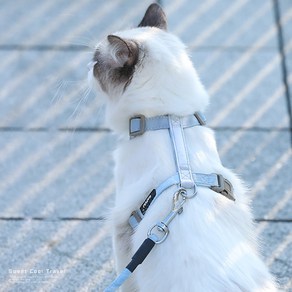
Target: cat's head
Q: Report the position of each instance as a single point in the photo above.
(146, 70)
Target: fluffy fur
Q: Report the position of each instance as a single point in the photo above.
(212, 244)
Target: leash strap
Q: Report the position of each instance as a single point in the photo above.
(137, 259)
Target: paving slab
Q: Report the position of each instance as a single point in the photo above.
(276, 239)
(50, 180)
(52, 92)
(263, 160)
(62, 23)
(223, 23)
(285, 11)
(58, 174)
(79, 253)
(82, 252)
(245, 88)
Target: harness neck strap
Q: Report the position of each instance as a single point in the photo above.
(139, 124)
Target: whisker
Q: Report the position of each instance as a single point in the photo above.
(84, 95)
(88, 42)
(57, 96)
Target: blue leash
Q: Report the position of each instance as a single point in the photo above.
(137, 259)
(124, 275)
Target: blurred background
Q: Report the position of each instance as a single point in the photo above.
(56, 180)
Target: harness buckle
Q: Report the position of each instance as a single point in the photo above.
(137, 126)
(201, 118)
(224, 187)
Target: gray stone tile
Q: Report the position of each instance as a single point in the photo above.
(286, 24)
(83, 251)
(263, 160)
(245, 88)
(56, 174)
(63, 23)
(276, 239)
(222, 23)
(285, 8)
(46, 89)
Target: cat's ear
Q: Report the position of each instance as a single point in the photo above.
(125, 51)
(154, 17)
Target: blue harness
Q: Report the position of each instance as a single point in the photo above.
(185, 179)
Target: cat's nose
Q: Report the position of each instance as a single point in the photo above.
(91, 64)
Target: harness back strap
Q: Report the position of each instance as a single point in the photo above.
(180, 152)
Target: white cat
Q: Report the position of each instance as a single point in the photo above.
(212, 245)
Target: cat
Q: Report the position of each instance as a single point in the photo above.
(212, 245)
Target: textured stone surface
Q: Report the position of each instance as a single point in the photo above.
(56, 186)
(55, 174)
(214, 23)
(245, 87)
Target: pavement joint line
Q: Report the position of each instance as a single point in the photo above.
(283, 61)
(101, 129)
(37, 47)
(55, 47)
(259, 220)
(52, 219)
(44, 129)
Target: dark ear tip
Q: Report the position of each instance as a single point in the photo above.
(154, 6)
(112, 36)
(154, 16)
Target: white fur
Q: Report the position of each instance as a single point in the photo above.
(212, 244)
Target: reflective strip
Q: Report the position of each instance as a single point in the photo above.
(180, 152)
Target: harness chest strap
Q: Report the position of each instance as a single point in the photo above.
(215, 182)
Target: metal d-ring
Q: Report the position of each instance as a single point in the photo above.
(160, 228)
(184, 193)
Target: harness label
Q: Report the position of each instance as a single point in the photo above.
(148, 201)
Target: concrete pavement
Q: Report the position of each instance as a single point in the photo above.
(56, 180)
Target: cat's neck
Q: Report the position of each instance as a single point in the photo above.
(175, 97)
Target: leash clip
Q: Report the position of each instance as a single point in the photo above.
(161, 228)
